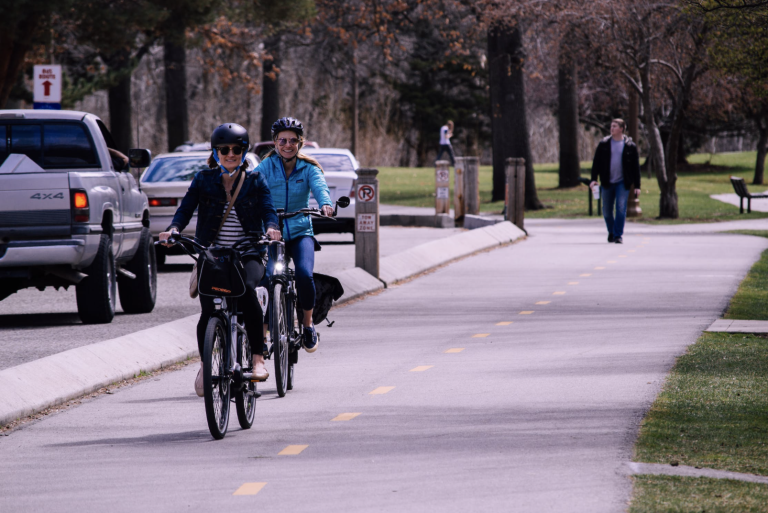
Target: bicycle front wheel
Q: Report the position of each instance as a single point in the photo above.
(245, 398)
(279, 332)
(215, 381)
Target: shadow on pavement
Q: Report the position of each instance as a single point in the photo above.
(160, 438)
(166, 399)
(38, 320)
(174, 268)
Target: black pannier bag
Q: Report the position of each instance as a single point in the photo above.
(327, 290)
(221, 273)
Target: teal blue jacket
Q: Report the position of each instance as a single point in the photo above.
(292, 194)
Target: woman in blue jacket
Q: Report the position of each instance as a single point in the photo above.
(291, 176)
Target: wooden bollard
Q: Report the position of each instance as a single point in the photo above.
(633, 204)
(367, 221)
(472, 185)
(442, 187)
(515, 207)
(458, 191)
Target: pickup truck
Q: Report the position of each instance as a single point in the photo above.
(71, 213)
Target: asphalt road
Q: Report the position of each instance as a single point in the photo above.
(515, 380)
(36, 324)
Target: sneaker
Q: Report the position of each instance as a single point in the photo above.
(310, 339)
(619, 240)
(611, 239)
(259, 371)
(199, 382)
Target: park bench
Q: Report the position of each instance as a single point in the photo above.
(741, 189)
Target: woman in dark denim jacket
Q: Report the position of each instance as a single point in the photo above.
(211, 192)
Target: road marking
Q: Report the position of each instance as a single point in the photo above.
(380, 390)
(480, 335)
(586, 275)
(559, 293)
(455, 350)
(292, 450)
(611, 261)
(504, 323)
(599, 268)
(250, 489)
(622, 256)
(421, 368)
(573, 283)
(543, 302)
(344, 416)
(526, 312)
(631, 251)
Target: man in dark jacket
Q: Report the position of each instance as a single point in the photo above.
(617, 163)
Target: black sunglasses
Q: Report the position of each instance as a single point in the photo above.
(224, 150)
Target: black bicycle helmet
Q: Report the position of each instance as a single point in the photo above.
(230, 133)
(292, 124)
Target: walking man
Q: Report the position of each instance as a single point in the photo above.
(446, 132)
(617, 164)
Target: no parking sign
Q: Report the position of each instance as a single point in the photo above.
(366, 193)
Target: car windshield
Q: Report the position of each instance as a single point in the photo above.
(331, 162)
(178, 169)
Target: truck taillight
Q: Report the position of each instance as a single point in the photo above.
(80, 210)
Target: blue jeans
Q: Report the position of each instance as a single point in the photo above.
(302, 251)
(615, 193)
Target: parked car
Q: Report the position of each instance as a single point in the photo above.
(339, 167)
(166, 182)
(71, 213)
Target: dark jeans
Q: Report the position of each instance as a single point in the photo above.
(247, 303)
(449, 149)
(617, 194)
(302, 251)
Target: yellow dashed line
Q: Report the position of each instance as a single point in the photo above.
(421, 368)
(292, 450)
(543, 302)
(573, 283)
(611, 261)
(381, 390)
(622, 256)
(599, 268)
(504, 323)
(630, 251)
(345, 416)
(526, 312)
(250, 489)
(559, 293)
(480, 335)
(455, 350)
(585, 275)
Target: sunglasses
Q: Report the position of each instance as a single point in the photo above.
(224, 150)
(283, 141)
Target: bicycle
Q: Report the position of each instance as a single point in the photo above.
(285, 331)
(227, 358)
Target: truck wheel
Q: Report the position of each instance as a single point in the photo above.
(96, 294)
(139, 295)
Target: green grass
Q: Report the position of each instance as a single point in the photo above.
(708, 175)
(751, 300)
(662, 494)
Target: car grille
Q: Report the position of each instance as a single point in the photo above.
(35, 218)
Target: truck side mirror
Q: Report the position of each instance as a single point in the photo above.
(138, 157)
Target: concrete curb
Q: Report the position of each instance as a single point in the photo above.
(438, 252)
(473, 222)
(659, 469)
(55, 379)
(356, 283)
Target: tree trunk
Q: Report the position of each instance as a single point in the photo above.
(120, 114)
(762, 147)
(668, 195)
(270, 94)
(674, 143)
(633, 115)
(355, 111)
(176, 113)
(15, 47)
(508, 118)
(568, 118)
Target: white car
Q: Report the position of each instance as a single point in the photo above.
(165, 183)
(339, 167)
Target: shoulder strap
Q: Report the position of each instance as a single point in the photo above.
(231, 203)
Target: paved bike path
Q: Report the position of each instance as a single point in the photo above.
(538, 411)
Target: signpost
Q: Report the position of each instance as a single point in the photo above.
(442, 187)
(515, 191)
(47, 86)
(367, 221)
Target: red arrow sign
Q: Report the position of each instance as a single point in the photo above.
(47, 86)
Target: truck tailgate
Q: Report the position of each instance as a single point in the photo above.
(34, 199)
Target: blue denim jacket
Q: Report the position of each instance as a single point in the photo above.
(253, 205)
(292, 194)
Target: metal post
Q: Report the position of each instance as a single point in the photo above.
(472, 185)
(367, 221)
(458, 191)
(442, 187)
(515, 191)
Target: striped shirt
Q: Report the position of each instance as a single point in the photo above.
(231, 232)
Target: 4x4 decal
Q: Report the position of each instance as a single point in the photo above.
(43, 196)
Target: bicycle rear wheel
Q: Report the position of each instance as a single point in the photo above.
(279, 332)
(245, 398)
(216, 383)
